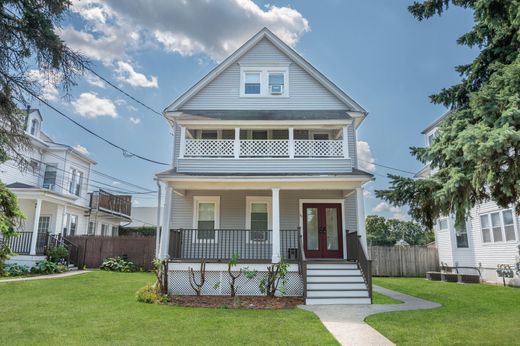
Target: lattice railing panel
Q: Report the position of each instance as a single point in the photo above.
(267, 148)
(209, 147)
(318, 148)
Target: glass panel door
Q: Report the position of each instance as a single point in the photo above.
(312, 228)
(322, 230)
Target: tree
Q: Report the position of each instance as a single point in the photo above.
(32, 57)
(476, 155)
(383, 232)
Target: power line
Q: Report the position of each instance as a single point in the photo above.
(388, 167)
(126, 152)
(123, 92)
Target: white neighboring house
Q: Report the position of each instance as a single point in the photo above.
(143, 217)
(55, 195)
(265, 167)
(491, 236)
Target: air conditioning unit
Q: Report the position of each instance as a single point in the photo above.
(48, 186)
(276, 89)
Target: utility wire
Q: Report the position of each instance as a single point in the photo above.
(388, 167)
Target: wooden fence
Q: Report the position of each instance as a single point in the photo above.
(403, 260)
(93, 249)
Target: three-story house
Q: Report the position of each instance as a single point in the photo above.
(265, 168)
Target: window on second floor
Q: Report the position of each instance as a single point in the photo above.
(35, 126)
(252, 83)
(443, 224)
(76, 180)
(49, 178)
(264, 81)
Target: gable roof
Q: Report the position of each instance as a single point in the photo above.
(435, 123)
(291, 53)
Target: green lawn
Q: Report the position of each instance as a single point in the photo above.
(378, 298)
(100, 308)
(471, 314)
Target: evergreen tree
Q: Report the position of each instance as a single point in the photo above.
(476, 155)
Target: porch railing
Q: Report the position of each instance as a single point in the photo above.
(355, 252)
(274, 148)
(222, 244)
(21, 243)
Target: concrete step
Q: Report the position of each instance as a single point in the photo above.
(326, 265)
(337, 300)
(342, 278)
(333, 272)
(336, 285)
(338, 293)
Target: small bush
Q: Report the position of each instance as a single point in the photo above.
(17, 270)
(57, 254)
(117, 264)
(150, 294)
(48, 267)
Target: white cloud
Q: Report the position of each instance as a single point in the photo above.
(94, 80)
(131, 108)
(401, 216)
(383, 206)
(81, 149)
(91, 106)
(214, 28)
(126, 73)
(367, 194)
(364, 154)
(135, 121)
(47, 83)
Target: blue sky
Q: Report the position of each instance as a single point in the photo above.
(374, 50)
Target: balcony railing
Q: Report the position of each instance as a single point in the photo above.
(222, 244)
(104, 201)
(21, 243)
(274, 148)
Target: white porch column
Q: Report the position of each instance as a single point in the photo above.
(236, 144)
(63, 221)
(361, 218)
(345, 143)
(182, 147)
(276, 224)
(165, 231)
(59, 219)
(34, 239)
(291, 143)
(158, 221)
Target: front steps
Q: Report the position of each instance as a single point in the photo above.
(335, 282)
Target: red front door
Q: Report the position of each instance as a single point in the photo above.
(322, 230)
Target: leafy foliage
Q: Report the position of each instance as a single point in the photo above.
(144, 231)
(118, 264)
(476, 155)
(381, 231)
(17, 270)
(151, 294)
(48, 267)
(57, 254)
(275, 274)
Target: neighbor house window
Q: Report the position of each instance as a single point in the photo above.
(252, 83)
(91, 230)
(73, 224)
(498, 226)
(461, 235)
(443, 224)
(258, 218)
(35, 125)
(76, 179)
(104, 230)
(115, 231)
(34, 165)
(206, 217)
(49, 178)
(43, 224)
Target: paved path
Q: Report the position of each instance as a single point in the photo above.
(347, 322)
(51, 276)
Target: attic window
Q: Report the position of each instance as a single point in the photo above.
(264, 81)
(252, 83)
(34, 127)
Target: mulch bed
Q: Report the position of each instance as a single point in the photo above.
(240, 302)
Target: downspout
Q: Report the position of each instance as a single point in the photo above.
(158, 226)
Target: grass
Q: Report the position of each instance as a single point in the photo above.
(471, 314)
(100, 308)
(378, 298)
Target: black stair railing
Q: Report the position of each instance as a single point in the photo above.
(356, 252)
(73, 249)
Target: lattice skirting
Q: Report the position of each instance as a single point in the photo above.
(217, 283)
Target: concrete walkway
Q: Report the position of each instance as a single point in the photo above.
(50, 276)
(347, 322)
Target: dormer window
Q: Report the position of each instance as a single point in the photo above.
(264, 81)
(35, 124)
(252, 83)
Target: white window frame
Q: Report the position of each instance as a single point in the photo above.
(466, 229)
(94, 224)
(48, 225)
(264, 80)
(502, 227)
(107, 228)
(447, 224)
(249, 204)
(205, 199)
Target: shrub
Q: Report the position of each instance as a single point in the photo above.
(117, 264)
(151, 294)
(17, 270)
(57, 254)
(48, 267)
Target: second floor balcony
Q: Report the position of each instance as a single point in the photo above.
(119, 205)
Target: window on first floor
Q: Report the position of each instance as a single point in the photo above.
(461, 236)
(104, 230)
(73, 224)
(498, 226)
(43, 224)
(115, 231)
(91, 230)
(258, 217)
(206, 216)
